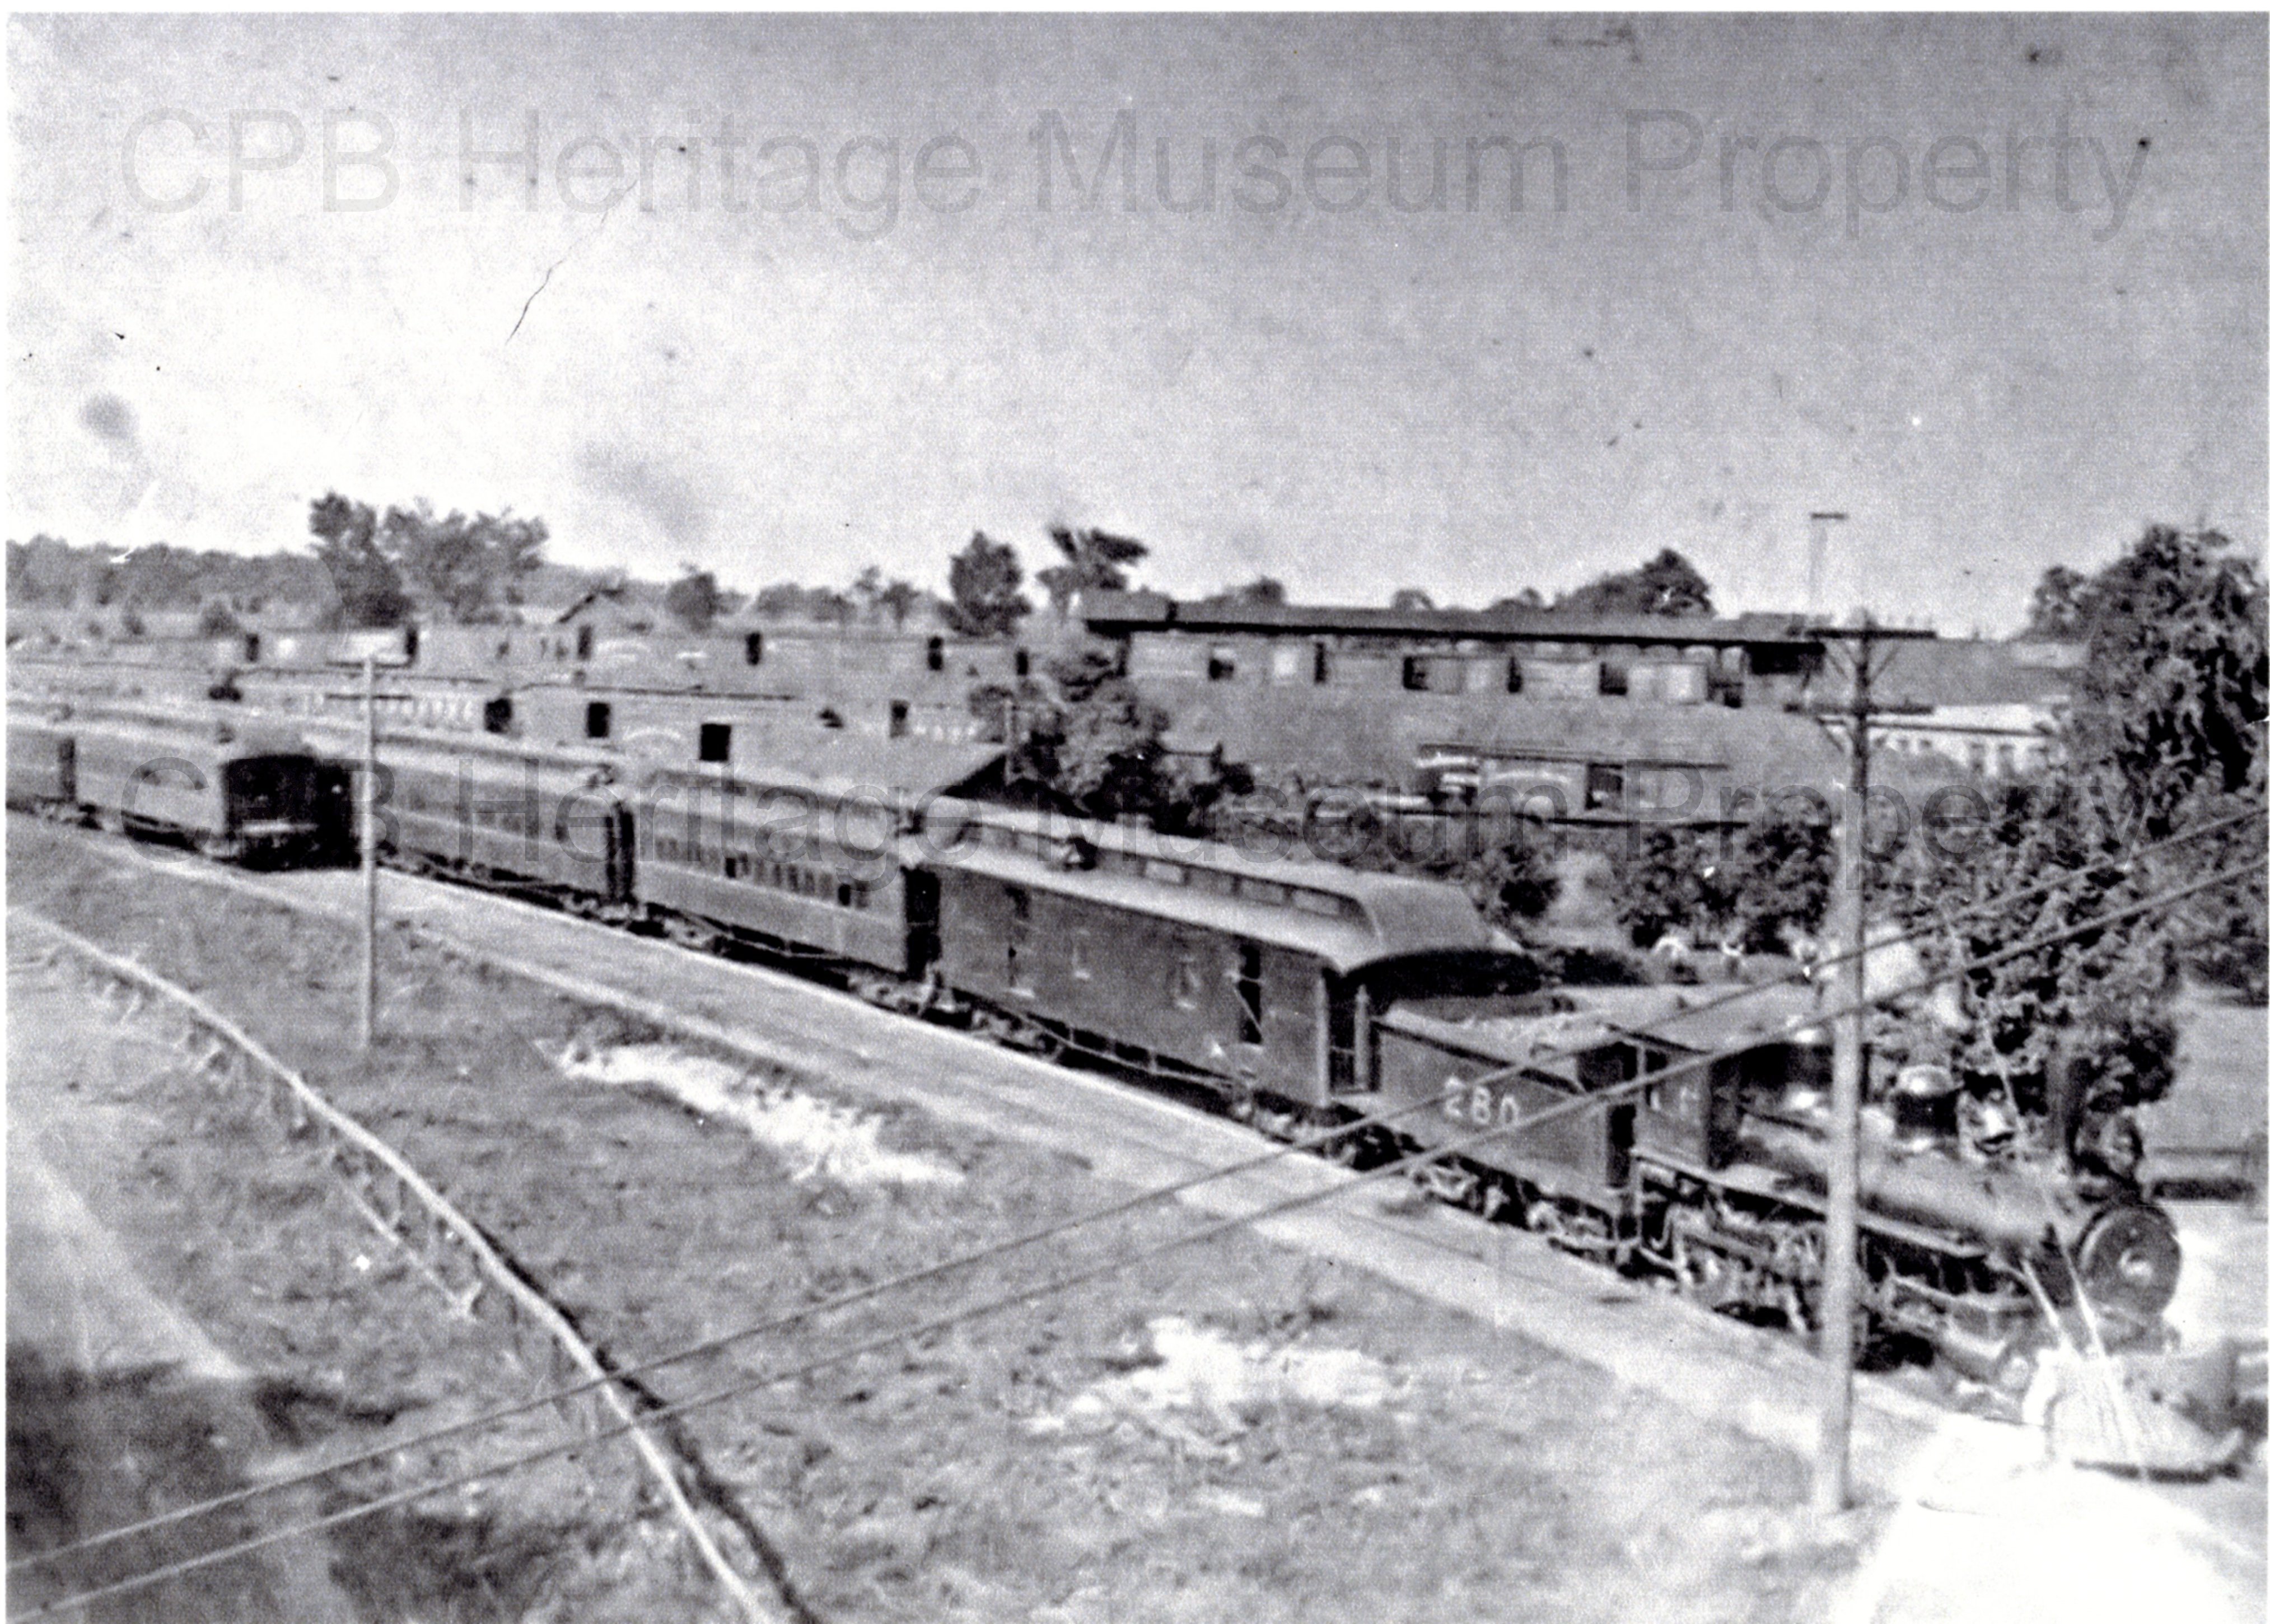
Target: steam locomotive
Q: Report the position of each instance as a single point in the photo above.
(1372, 1015)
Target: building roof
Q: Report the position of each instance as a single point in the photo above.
(1118, 613)
(1971, 671)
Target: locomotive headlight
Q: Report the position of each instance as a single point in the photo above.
(2128, 1261)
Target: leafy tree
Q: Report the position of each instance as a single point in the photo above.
(984, 578)
(2059, 609)
(2173, 696)
(1094, 561)
(1773, 884)
(1779, 884)
(1667, 881)
(1666, 585)
(218, 621)
(867, 593)
(464, 569)
(1528, 597)
(1515, 882)
(694, 599)
(2098, 997)
(1410, 599)
(900, 599)
(368, 585)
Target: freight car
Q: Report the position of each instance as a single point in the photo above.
(1308, 996)
(233, 787)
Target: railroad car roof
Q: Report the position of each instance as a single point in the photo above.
(478, 750)
(1345, 918)
(223, 730)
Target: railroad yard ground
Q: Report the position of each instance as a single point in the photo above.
(1243, 1430)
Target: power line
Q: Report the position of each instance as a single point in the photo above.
(1023, 1295)
(938, 1270)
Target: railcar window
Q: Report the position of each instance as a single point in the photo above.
(1262, 890)
(1168, 873)
(1322, 902)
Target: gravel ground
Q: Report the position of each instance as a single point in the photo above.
(1057, 1461)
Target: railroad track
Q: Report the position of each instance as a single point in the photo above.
(471, 1273)
(789, 1025)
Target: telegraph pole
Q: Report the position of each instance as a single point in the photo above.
(367, 821)
(1832, 1477)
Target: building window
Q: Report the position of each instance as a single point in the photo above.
(1414, 673)
(1221, 664)
(934, 654)
(1604, 787)
(1513, 673)
(584, 638)
(1615, 678)
(1024, 662)
(1321, 670)
(496, 715)
(1249, 993)
(599, 719)
(753, 648)
(898, 718)
(717, 741)
(1081, 970)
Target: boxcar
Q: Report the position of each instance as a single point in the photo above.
(1193, 957)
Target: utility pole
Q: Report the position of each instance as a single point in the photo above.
(1832, 1477)
(1841, 1304)
(366, 822)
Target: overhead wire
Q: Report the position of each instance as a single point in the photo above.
(940, 1270)
(1592, 1101)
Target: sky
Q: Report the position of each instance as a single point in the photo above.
(788, 296)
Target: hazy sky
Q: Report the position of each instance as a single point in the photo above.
(1784, 266)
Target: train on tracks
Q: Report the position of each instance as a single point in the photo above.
(1373, 1016)
(233, 787)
